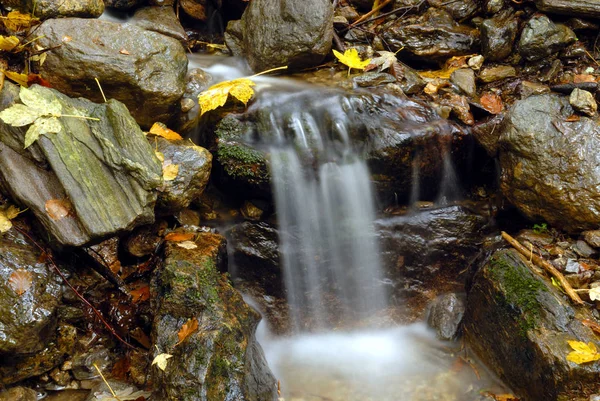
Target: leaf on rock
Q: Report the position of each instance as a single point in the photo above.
(592, 325)
(384, 61)
(187, 245)
(160, 156)
(8, 43)
(179, 237)
(41, 126)
(595, 294)
(352, 59)
(170, 171)
(582, 352)
(217, 95)
(20, 281)
(492, 102)
(6, 215)
(58, 209)
(161, 361)
(16, 21)
(21, 79)
(140, 294)
(31, 98)
(19, 115)
(584, 78)
(187, 329)
(161, 129)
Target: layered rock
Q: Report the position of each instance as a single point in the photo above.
(45, 9)
(578, 8)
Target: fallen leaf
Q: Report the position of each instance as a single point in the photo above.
(66, 39)
(595, 294)
(40, 58)
(592, 325)
(217, 95)
(573, 118)
(58, 209)
(384, 61)
(140, 294)
(6, 215)
(178, 237)
(160, 156)
(187, 329)
(501, 397)
(37, 79)
(123, 51)
(213, 47)
(170, 171)
(492, 102)
(16, 21)
(20, 79)
(8, 43)
(121, 368)
(583, 78)
(161, 361)
(351, 59)
(582, 352)
(187, 245)
(127, 394)
(138, 335)
(161, 129)
(443, 74)
(12, 212)
(20, 281)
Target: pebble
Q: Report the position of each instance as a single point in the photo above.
(491, 74)
(583, 101)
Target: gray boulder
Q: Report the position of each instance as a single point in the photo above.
(145, 70)
(550, 167)
(45, 9)
(446, 314)
(276, 33)
(541, 37)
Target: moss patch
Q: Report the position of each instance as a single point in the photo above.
(241, 161)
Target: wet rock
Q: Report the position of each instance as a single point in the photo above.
(425, 252)
(196, 81)
(113, 153)
(541, 37)
(250, 211)
(464, 78)
(363, 4)
(28, 298)
(275, 33)
(496, 73)
(45, 9)
(582, 249)
(145, 70)
(519, 324)
(409, 80)
(446, 314)
(487, 133)
(143, 241)
(194, 171)
(85, 359)
(528, 88)
(583, 101)
(373, 79)
(540, 174)
(255, 252)
(221, 360)
(123, 4)
(161, 20)
(498, 35)
(434, 35)
(592, 238)
(493, 6)
(19, 394)
(460, 10)
(578, 8)
(101, 391)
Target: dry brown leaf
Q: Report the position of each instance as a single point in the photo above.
(20, 281)
(187, 329)
(140, 294)
(573, 118)
(179, 237)
(492, 102)
(160, 129)
(583, 78)
(58, 209)
(592, 325)
(187, 245)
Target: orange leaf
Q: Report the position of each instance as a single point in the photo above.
(141, 337)
(592, 325)
(573, 118)
(583, 78)
(187, 329)
(37, 79)
(492, 102)
(20, 281)
(178, 237)
(58, 209)
(160, 129)
(140, 294)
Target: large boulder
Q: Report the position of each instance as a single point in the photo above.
(90, 180)
(145, 70)
(221, 360)
(520, 325)
(276, 33)
(551, 166)
(45, 9)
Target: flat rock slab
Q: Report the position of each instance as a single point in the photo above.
(519, 324)
(102, 173)
(145, 70)
(577, 8)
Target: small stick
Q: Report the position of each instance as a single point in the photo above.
(106, 382)
(369, 14)
(546, 266)
(101, 91)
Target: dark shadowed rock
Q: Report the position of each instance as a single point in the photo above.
(446, 314)
(19, 394)
(123, 4)
(275, 33)
(221, 360)
(541, 37)
(145, 70)
(460, 9)
(520, 325)
(104, 179)
(578, 8)
(45, 9)
(550, 167)
(498, 35)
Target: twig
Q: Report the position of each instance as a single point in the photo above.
(53, 264)
(338, 43)
(369, 14)
(101, 91)
(394, 11)
(106, 382)
(546, 266)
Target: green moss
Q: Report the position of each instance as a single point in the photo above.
(230, 128)
(242, 161)
(520, 290)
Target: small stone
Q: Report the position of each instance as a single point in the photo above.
(187, 104)
(541, 37)
(491, 74)
(493, 6)
(583, 101)
(572, 266)
(476, 62)
(446, 315)
(373, 79)
(592, 237)
(582, 249)
(528, 88)
(188, 217)
(60, 377)
(250, 211)
(464, 78)
(498, 35)
(340, 21)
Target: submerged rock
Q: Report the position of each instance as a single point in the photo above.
(145, 70)
(276, 33)
(541, 37)
(92, 187)
(221, 360)
(520, 325)
(550, 166)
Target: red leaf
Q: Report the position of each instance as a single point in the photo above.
(492, 102)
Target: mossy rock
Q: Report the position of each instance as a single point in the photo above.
(519, 325)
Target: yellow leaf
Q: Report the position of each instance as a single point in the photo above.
(216, 96)
(170, 172)
(187, 245)
(582, 352)
(160, 156)
(12, 212)
(21, 79)
(352, 59)
(7, 43)
(444, 74)
(161, 361)
(160, 129)
(6, 215)
(16, 21)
